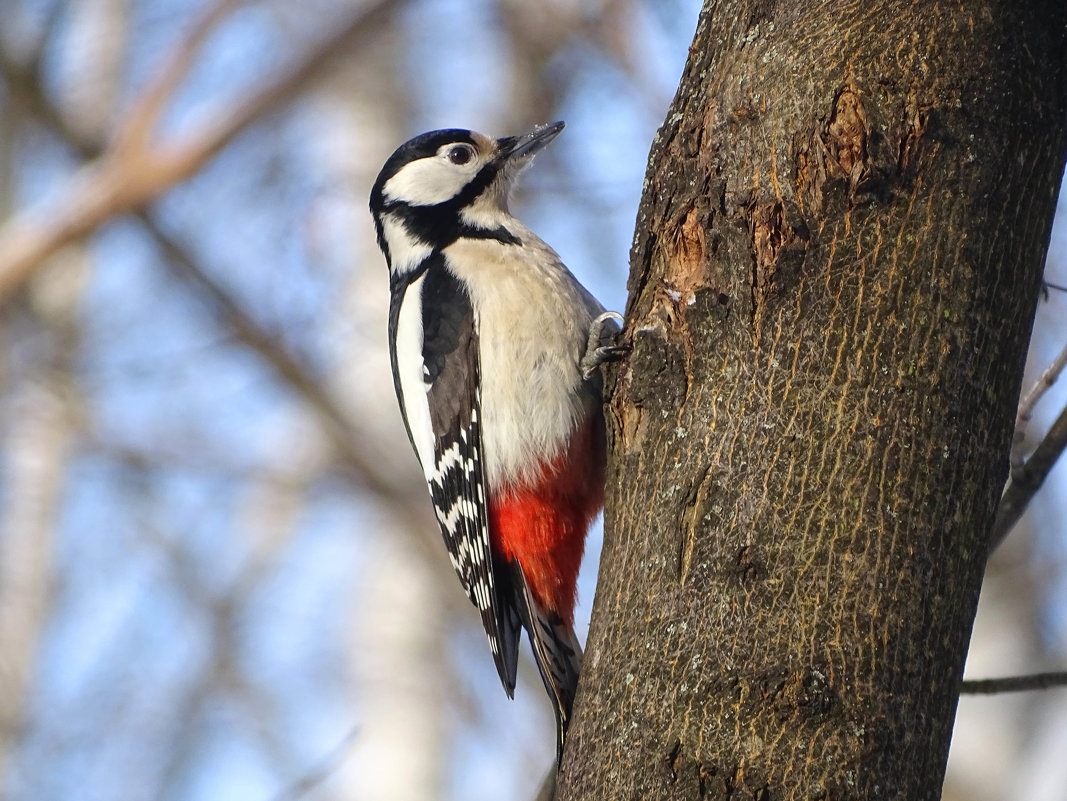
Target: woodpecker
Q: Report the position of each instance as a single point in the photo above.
(495, 348)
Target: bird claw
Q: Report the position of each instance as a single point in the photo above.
(596, 353)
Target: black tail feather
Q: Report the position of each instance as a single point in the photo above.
(556, 651)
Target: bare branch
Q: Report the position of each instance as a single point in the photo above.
(134, 134)
(34, 472)
(1026, 408)
(1014, 684)
(1026, 481)
(117, 183)
(1028, 476)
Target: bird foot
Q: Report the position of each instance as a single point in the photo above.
(598, 353)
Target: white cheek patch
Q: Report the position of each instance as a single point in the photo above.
(429, 181)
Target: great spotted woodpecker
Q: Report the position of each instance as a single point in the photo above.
(494, 348)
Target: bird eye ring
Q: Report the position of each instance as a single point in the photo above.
(460, 154)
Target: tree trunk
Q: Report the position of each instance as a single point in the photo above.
(831, 292)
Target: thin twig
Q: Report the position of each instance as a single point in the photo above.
(1047, 285)
(1014, 684)
(1027, 481)
(1026, 408)
(322, 771)
(1027, 475)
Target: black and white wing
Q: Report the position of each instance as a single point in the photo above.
(434, 350)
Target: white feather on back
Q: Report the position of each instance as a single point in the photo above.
(410, 367)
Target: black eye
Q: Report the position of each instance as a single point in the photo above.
(460, 154)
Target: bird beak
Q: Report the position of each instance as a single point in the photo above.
(519, 148)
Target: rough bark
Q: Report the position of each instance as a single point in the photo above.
(832, 286)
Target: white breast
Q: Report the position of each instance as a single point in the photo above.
(533, 319)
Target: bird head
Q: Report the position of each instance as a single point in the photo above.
(440, 182)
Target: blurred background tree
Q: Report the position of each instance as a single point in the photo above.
(219, 575)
